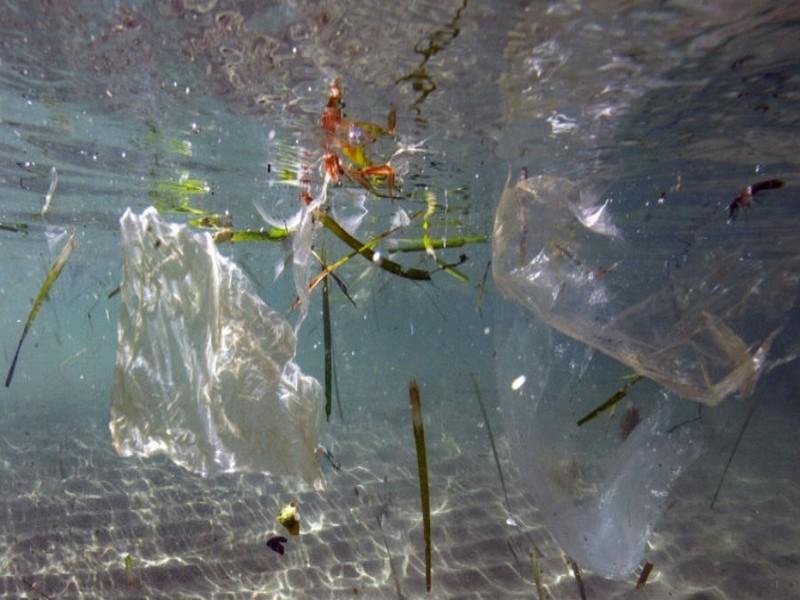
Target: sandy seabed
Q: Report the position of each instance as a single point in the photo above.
(71, 510)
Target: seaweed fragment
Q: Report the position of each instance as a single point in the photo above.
(52, 275)
(422, 466)
(613, 400)
(491, 439)
(648, 567)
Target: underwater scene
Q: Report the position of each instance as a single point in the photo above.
(450, 299)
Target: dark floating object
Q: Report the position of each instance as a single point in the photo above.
(745, 197)
(276, 543)
(648, 566)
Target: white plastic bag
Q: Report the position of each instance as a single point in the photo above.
(205, 369)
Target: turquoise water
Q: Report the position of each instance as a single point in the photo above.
(666, 110)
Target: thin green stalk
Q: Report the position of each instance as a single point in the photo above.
(613, 400)
(537, 573)
(491, 439)
(418, 244)
(367, 250)
(422, 466)
(52, 275)
(326, 329)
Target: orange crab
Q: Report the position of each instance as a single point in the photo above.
(348, 139)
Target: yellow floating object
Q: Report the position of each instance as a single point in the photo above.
(289, 519)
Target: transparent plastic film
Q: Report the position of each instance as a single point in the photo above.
(702, 329)
(205, 370)
(600, 487)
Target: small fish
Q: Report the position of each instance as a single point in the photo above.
(276, 543)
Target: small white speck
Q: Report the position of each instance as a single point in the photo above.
(486, 331)
(376, 258)
(271, 134)
(511, 522)
(518, 382)
(124, 154)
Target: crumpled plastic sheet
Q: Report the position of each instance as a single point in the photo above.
(703, 331)
(594, 298)
(205, 370)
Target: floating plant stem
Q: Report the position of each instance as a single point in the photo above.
(418, 244)
(648, 567)
(14, 227)
(537, 573)
(749, 416)
(326, 334)
(613, 400)
(52, 275)
(491, 439)
(273, 234)
(576, 570)
(368, 252)
(422, 466)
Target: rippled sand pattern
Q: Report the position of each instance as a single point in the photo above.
(71, 510)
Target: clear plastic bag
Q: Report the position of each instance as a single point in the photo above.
(593, 301)
(205, 370)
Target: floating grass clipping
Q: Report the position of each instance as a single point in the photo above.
(491, 439)
(52, 275)
(613, 400)
(537, 573)
(648, 567)
(418, 245)
(422, 466)
(327, 339)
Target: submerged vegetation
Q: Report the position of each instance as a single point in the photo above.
(422, 466)
(52, 275)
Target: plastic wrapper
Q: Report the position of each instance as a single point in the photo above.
(595, 299)
(205, 370)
